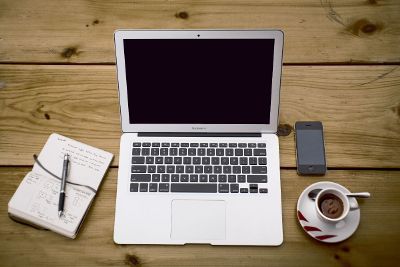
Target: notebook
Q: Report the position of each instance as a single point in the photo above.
(36, 200)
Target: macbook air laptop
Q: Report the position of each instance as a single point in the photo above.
(199, 154)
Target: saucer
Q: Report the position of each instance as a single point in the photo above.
(320, 230)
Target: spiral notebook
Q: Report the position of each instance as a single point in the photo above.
(36, 200)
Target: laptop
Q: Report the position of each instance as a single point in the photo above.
(199, 154)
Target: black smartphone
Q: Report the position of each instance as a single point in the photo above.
(310, 149)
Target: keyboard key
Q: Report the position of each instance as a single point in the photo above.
(203, 145)
(170, 169)
(243, 161)
(229, 152)
(217, 169)
(194, 188)
(155, 177)
(234, 188)
(245, 169)
(196, 160)
(153, 187)
(165, 144)
(227, 169)
(201, 151)
(231, 178)
(182, 151)
(258, 169)
(143, 187)
(257, 179)
(241, 178)
(224, 160)
(193, 178)
(189, 169)
(168, 160)
(263, 190)
(135, 151)
(160, 168)
(253, 188)
(215, 161)
(155, 144)
(159, 160)
(173, 151)
(138, 168)
(180, 169)
(146, 144)
(137, 160)
(260, 152)
(261, 145)
(219, 152)
(140, 177)
(212, 178)
(253, 161)
(134, 187)
(177, 160)
(222, 178)
(194, 144)
(208, 169)
(203, 178)
(238, 152)
(175, 145)
(145, 151)
(184, 144)
(232, 145)
(165, 178)
(174, 178)
(210, 151)
(187, 160)
(262, 161)
(155, 151)
(248, 152)
(198, 169)
(223, 145)
(149, 160)
(244, 190)
(136, 144)
(184, 178)
(242, 145)
(236, 169)
(192, 151)
(213, 145)
(223, 188)
(234, 161)
(164, 151)
(205, 160)
(252, 145)
(163, 187)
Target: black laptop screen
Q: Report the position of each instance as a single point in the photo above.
(199, 81)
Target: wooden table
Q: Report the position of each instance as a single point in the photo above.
(341, 66)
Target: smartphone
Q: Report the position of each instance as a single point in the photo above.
(310, 149)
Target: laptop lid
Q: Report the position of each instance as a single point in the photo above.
(199, 80)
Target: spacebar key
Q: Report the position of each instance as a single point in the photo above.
(193, 188)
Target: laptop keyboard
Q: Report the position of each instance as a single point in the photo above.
(199, 167)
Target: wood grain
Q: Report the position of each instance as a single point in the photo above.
(376, 242)
(359, 106)
(315, 31)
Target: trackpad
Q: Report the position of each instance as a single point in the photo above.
(198, 220)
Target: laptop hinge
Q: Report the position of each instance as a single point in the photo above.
(180, 134)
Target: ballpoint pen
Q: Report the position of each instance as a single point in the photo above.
(62, 189)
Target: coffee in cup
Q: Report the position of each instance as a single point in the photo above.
(332, 205)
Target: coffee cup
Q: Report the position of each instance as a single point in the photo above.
(332, 205)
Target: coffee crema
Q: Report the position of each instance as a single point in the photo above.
(331, 206)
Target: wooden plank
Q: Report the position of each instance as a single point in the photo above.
(316, 31)
(376, 242)
(359, 106)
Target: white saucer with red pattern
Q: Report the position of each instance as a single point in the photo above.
(319, 229)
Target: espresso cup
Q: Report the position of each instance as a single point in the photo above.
(332, 205)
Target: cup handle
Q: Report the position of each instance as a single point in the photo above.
(353, 204)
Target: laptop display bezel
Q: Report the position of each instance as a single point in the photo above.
(277, 35)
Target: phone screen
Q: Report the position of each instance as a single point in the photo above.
(310, 148)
